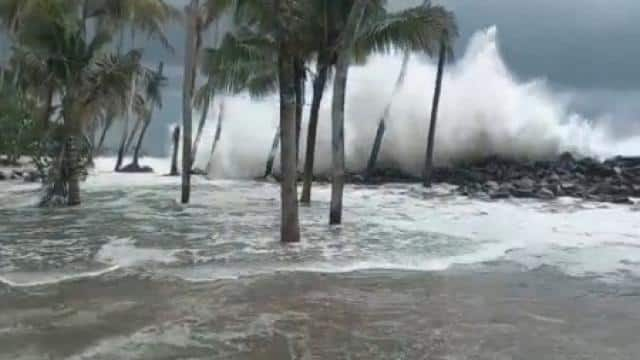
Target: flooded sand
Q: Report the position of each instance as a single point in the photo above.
(493, 312)
(411, 274)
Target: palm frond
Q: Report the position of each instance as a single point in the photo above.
(416, 29)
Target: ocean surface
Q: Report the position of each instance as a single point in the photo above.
(411, 274)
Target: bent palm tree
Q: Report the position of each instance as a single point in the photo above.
(428, 167)
(153, 99)
(382, 124)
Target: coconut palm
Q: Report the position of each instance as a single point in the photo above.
(153, 99)
(191, 49)
(197, 19)
(245, 61)
(89, 81)
(428, 167)
(414, 29)
(344, 53)
(382, 124)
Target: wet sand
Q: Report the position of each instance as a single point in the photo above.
(491, 312)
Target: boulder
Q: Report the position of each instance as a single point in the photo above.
(135, 168)
(545, 194)
(499, 194)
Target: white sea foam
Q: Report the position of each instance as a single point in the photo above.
(485, 110)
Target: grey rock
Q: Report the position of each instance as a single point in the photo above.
(545, 194)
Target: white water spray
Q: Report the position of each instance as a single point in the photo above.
(485, 111)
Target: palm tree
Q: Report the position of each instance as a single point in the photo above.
(197, 20)
(382, 124)
(146, 16)
(153, 99)
(287, 55)
(344, 54)
(191, 12)
(428, 166)
(414, 29)
(216, 137)
(89, 81)
(245, 61)
(427, 25)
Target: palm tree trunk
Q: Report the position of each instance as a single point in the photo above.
(216, 137)
(337, 111)
(290, 226)
(382, 126)
(428, 166)
(191, 50)
(125, 130)
(203, 120)
(105, 130)
(136, 151)
(318, 91)
(271, 159)
(299, 74)
(132, 135)
(73, 169)
(174, 157)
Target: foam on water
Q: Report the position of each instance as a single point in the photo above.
(231, 230)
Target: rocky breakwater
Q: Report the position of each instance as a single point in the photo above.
(26, 174)
(616, 180)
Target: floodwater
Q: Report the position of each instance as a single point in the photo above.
(412, 274)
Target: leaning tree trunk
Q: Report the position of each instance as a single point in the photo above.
(290, 226)
(271, 159)
(382, 125)
(346, 42)
(203, 120)
(318, 91)
(143, 132)
(132, 135)
(175, 137)
(216, 137)
(428, 166)
(107, 125)
(125, 131)
(136, 151)
(191, 50)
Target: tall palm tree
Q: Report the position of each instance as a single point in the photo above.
(197, 19)
(287, 55)
(413, 29)
(344, 54)
(191, 13)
